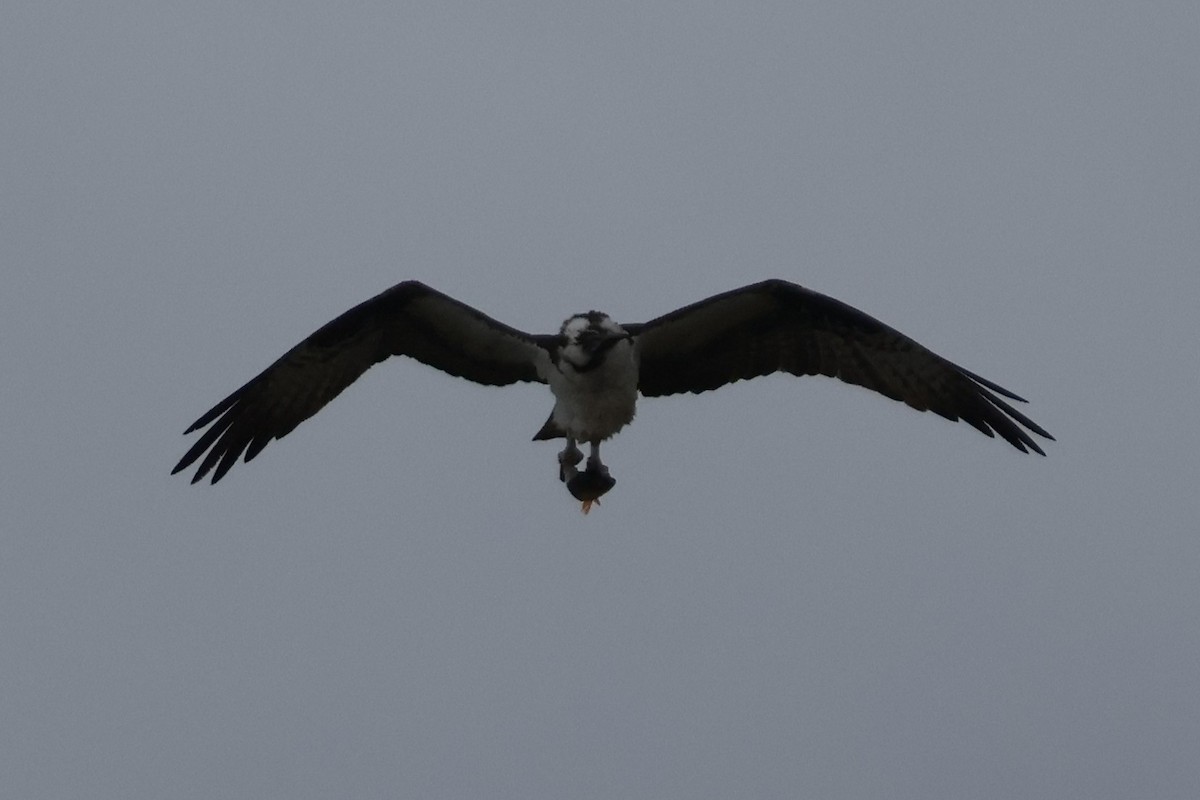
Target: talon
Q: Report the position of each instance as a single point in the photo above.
(595, 468)
(568, 460)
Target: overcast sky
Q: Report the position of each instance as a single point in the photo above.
(796, 589)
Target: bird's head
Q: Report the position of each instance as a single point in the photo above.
(587, 339)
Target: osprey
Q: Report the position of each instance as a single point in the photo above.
(595, 368)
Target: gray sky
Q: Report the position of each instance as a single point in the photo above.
(797, 589)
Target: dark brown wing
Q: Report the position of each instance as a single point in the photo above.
(409, 319)
(778, 326)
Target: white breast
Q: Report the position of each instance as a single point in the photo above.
(594, 405)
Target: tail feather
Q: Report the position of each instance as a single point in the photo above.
(549, 431)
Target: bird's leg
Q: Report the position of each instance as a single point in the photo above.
(568, 459)
(594, 464)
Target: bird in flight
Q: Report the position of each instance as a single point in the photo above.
(596, 368)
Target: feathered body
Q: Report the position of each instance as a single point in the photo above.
(594, 380)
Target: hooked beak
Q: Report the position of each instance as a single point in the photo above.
(608, 340)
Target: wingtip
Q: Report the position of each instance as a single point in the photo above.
(185, 463)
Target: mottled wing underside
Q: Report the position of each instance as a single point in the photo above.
(777, 326)
(409, 319)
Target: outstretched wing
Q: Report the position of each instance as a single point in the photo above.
(409, 319)
(778, 326)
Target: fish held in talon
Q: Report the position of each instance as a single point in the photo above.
(590, 485)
